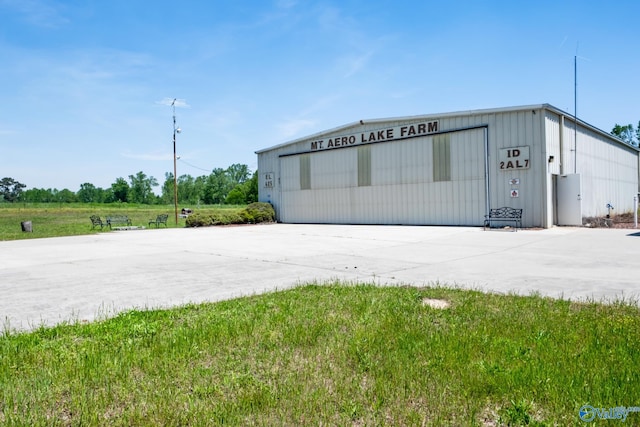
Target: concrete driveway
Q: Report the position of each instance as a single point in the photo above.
(46, 281)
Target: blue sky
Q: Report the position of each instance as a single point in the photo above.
(86, 84)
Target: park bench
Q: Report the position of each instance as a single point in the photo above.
(504, 214)
(160, 219)
(118, 219)
(95, 221)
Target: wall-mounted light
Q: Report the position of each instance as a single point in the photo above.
(551, 158)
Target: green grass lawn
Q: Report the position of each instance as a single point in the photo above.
(61, 219)
(331, 354)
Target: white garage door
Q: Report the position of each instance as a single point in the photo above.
(431, 180)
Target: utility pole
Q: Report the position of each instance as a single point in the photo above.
(175, 172)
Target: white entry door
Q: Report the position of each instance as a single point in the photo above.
(569, 199)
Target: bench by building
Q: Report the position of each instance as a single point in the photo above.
(504, 215)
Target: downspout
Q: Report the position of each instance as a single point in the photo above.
(561, 159)
(486, 169)
(635, 210)
(546, 180)
(278, 189)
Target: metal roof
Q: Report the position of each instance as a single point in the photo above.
(548, 107)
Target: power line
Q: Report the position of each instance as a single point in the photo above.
(193, 166)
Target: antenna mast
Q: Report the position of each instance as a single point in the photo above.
(575, 112)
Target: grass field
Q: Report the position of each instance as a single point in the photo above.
(330, 355)
(61, 219)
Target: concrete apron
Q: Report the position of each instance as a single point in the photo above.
(81, 278)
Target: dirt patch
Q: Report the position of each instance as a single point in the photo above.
(616, 221)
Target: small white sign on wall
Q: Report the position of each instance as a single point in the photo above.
(515, 193)
(268, 179)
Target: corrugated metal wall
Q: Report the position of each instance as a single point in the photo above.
(405, 186)
(608, 170)
(609, 174)
(518, 129)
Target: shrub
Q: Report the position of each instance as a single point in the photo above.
(226, 218)
(259, 212)
(199, 220)
(253, 214)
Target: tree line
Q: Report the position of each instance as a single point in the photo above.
(234, 185)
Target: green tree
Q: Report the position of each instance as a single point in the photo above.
(167, 189)
(252, 188)
(119, 191)
(37, 195)
(214, 188)
(244, 193)
(200, 185)
(217, 187)
(11, 189)
(188, 191)
(238, 173)
(89, 193)
(237, 196)
(64, 196)
(141, 189)
(627, 133)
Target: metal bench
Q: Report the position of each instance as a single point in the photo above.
(504, 214)
(95, 221)
(160, 219)
(118, 219)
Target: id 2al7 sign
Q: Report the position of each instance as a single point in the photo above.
(514, 158)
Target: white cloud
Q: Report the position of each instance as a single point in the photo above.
(294, 127)
(356, 63)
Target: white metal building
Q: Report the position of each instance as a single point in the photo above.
(450, 169)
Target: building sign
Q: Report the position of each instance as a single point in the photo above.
(514, 158)
(268, 179)
(382, 135)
